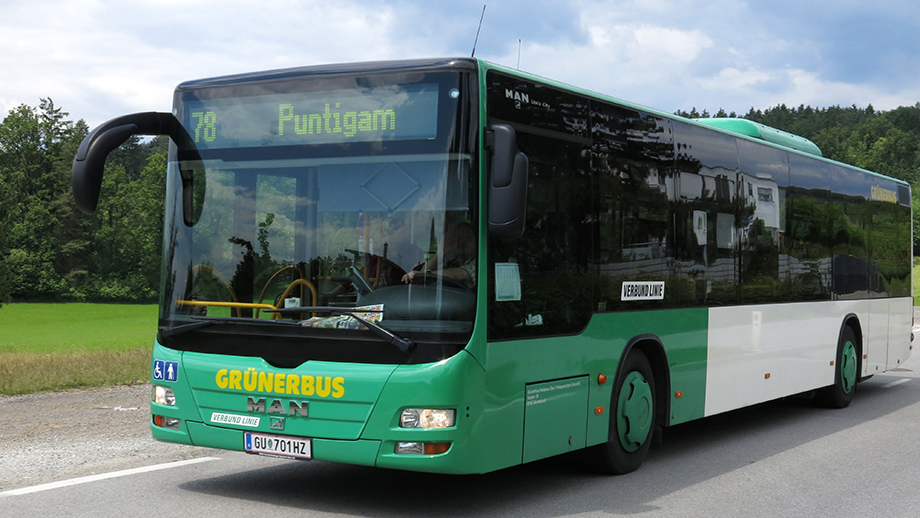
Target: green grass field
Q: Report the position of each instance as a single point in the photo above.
(59, 346)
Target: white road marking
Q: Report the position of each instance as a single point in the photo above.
(102, 476)
(896, 382)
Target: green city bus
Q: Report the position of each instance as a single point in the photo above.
(452, 266)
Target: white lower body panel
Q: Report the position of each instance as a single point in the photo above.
(761, 353)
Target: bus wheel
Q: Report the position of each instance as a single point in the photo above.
(632, 419)
(846, 373)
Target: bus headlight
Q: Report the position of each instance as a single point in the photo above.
(164, 396)
(427, 418)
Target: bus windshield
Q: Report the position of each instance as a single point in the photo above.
(321, 215)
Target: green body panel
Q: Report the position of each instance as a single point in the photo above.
(493, 417)
(201, 434)
(514, 364)
(453, 383)
(185, 409)
(339, 397)
(554, 417)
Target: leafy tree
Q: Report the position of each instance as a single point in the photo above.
(36, 148)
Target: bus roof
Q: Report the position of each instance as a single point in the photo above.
(763, 132)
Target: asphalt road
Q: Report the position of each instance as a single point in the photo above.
(780, 459)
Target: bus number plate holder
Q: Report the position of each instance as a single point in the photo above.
(278, 446)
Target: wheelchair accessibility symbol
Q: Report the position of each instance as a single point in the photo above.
(165, 371)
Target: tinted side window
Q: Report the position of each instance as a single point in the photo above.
(810, 221)
(553, 257)
(762, 183)
(889, 239)
(706, 215)
(634, 182)
(851, 222)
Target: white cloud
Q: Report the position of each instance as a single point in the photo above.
(663, 44)
(102, 58)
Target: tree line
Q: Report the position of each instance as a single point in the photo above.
(50, 251)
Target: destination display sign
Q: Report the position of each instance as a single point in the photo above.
(402, 112)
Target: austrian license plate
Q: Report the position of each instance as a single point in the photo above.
(278, 446)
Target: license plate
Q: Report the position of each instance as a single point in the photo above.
(277, 446)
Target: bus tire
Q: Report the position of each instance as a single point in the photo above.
(846, 372)
(632, 419)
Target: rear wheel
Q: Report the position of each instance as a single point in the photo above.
(632, 419)
(846, 372)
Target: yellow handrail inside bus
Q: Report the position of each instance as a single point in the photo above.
(296, 269)
(302, 282)
(237, 305)
(248, 305)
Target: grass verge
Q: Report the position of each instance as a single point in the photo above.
(916, 281)
(23, 373)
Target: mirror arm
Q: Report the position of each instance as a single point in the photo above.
(89, 163)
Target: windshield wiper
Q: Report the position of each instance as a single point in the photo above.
(403, 344)
(171, 332)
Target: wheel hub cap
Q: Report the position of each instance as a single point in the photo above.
(634, 412)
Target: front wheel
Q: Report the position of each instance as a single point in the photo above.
(632, 419)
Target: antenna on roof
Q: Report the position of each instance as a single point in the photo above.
(483, 15)
(519, 54)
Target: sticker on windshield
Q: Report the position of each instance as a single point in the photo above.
(507, 282)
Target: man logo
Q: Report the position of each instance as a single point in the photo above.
(277, 423)
(518, 97)
(277, 407)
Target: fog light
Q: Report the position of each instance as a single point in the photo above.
(164, 396)
(410, 448)
(422, 448)
(427, 418)
(166, 422)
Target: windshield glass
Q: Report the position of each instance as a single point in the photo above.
(322, 197)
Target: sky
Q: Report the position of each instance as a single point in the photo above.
(98, 59)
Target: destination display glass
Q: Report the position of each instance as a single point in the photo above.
(398, 112)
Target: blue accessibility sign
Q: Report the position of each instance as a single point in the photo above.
(165, 371)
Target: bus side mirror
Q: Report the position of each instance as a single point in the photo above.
(88, 165)
(507, 184)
